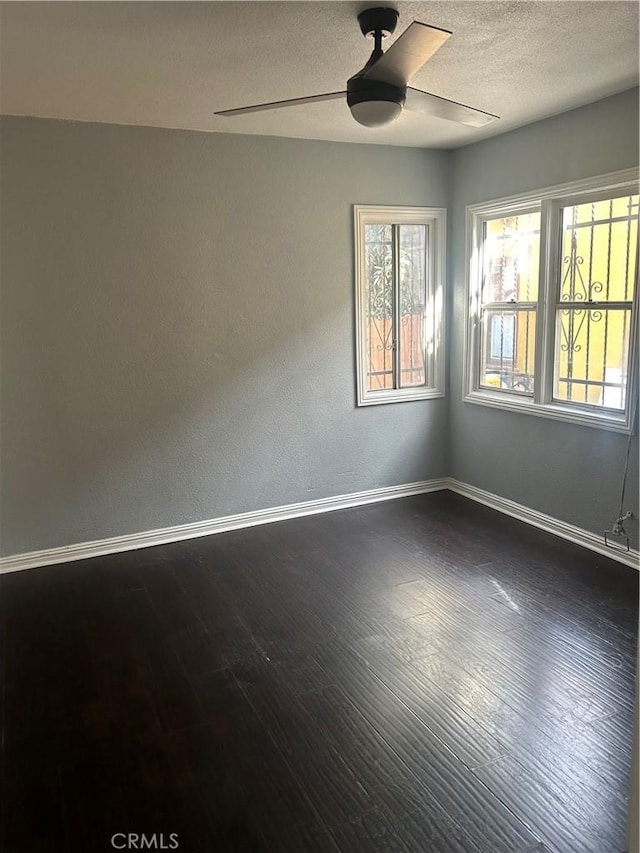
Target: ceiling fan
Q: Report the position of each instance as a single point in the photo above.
(377, 94)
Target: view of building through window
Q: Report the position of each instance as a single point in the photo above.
(511, 251)
(593, 314)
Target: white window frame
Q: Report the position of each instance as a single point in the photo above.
(549, 201)
(435, 218)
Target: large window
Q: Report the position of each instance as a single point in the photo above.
(400, 255)
(553, 302)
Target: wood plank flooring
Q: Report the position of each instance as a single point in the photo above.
(422, 675)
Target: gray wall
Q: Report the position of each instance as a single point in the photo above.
(573, 473)
(177, 328)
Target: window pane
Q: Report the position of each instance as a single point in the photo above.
(511, 258)
(598, 250)
(508, 350)
(379, 306)
(592, 348)
(413, 246)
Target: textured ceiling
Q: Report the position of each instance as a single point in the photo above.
(172, 64)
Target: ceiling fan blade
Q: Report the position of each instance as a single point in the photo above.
(407, 54)
(433, 105)
(276, 105)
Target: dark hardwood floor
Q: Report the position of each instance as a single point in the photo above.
(418, 675)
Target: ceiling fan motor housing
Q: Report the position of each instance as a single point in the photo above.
(361, 91)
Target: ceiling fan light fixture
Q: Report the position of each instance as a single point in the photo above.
(375, 113)
(374, 103)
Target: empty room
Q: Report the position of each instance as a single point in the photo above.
(319, 427)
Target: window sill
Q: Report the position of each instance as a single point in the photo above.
(554, 411)
(377, 398)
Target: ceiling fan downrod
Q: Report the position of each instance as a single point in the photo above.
(375, 103)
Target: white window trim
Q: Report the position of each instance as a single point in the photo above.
(549, 200)
(436, 219)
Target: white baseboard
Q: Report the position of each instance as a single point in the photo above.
(149, 538)
(546, 522)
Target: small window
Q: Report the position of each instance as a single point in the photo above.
(553, 302)
(399, 303)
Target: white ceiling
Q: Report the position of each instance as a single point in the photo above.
(172, 64)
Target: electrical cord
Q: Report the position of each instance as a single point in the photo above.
(626, 464)
(617, 529)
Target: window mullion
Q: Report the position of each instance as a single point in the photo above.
(548, 291)
(395, 301)
(429, 309)
(475, 230)
(509, 306)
